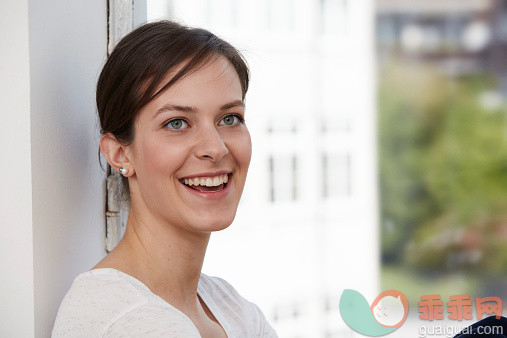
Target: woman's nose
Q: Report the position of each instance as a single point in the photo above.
(211, 145)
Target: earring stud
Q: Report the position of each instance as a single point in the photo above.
(123, 171)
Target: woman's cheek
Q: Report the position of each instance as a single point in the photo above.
(161, 154)
(242, 144)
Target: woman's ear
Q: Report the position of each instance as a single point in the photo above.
(116, 154)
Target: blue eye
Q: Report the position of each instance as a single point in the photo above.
(176, 124)
(231, 120)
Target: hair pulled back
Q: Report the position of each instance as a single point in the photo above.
(141, 61)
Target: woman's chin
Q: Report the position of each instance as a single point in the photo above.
(207, 228)
(212, 224)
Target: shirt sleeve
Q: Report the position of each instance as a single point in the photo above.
(152, 320)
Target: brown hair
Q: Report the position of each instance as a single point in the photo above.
(140, 62)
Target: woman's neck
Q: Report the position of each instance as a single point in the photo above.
(166, 258)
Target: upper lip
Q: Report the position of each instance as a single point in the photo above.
(207, 174)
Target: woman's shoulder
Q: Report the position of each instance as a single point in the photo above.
(102, 301)
(109, 288)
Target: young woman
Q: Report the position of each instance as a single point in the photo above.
(171, 103)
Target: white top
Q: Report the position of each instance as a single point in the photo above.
(109, 303)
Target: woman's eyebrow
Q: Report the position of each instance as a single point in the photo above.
(232, 104)
(175, 107)
(190, 109)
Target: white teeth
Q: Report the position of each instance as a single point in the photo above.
(207, 181)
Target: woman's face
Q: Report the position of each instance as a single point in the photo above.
(191, 150)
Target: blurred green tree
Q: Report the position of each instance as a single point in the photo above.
(443, 170)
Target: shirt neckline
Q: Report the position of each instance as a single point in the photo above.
(206, 298)
(209, 301)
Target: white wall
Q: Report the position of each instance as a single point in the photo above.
(51, 193)
(16, 253)
(68, 42)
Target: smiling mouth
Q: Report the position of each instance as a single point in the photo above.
(207, 184)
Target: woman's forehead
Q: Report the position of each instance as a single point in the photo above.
(217, 75)
(214, 65)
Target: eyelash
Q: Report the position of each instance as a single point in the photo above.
(240, 118)
(166, 124)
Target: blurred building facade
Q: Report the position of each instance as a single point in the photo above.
(307, 224)
(460, 37)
